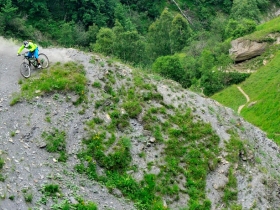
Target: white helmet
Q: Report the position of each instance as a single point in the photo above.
(26, 43)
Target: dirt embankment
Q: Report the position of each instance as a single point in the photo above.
(28, 167)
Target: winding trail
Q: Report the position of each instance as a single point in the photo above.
(246, 96)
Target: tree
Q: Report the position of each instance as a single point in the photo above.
(245, 9)
(130, 46)
(158, 36)
(105, 40)
(66, 35)
(180, 33)
(171, 67)
(122, 17)
(238, 28)
(92, 33)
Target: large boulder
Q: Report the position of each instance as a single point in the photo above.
(243, 49)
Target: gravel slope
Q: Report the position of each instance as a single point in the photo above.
(28, 166)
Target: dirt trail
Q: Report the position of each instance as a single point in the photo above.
(247, 98)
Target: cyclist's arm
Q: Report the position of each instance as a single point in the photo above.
(20, 49)
(33, 47)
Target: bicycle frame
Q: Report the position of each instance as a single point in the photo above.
(31, 60)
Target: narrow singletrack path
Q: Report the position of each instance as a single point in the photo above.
(246, 96)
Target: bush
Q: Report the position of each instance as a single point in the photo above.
(235, 29)
(234, 78)
(133, 108)
(172, 68)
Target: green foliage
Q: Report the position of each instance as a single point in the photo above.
(50, 190)
(245, 9)
(105, 40)
(158, 37)
(133, 108)
(8, 11)
(171, 67)
(130, 47)
(230, 191)
(2, 163)
(264, 29)
(238, 28)
(262, 88)
(81, 205)
(68, 77)
(180, 33)
(66, 37)
(230, 97)
(56, 143)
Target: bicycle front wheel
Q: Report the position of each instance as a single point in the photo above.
(44, 61)
(25, 70)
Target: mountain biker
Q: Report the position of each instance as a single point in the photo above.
(33, 51)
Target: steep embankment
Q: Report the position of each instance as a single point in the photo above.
(28, 168)
(263, 85)
(263, 89)
(169, 150)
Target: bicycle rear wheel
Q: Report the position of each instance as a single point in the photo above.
(44, 61)
(25, 70)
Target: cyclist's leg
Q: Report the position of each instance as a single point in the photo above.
(36, 55)
(30, 54)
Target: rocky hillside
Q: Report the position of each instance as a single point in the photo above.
(137, 142)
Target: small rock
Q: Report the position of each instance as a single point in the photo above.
(164, 204)
(152, 139)
(42, 145)
(215, 186)
(73, 200)
(117, 193)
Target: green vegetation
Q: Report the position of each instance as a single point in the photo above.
(265, 29)
(68, 77)
(50, 190)
(2, 163)
(81, 205)
(262, 88)
(188, 148)
(234, 147)
(56, 142)
(27, 194)
(144, 33)
(151, 35)
(230, 97)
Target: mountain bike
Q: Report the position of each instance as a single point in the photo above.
(25, 67)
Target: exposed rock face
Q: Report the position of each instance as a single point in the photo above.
(242, 50)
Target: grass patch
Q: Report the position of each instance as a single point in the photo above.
(263, 87)
(28, 196)
(81, 205)
(55, 140)
(230, 97)
(50, 190)
(2, 163)
(264, 29)
(68, 77)
(188, 150)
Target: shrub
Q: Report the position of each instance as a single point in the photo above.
(171, 68)
(133, 108)
(236, 28)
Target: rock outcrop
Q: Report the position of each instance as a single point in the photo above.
(243, 49)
